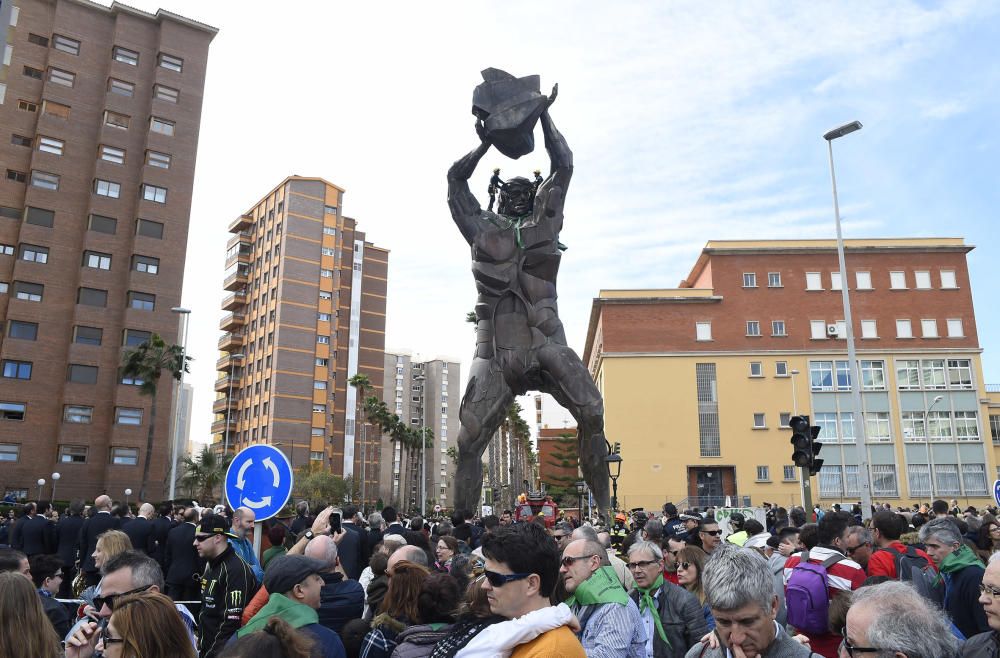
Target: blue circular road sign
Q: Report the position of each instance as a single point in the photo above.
(260, 478)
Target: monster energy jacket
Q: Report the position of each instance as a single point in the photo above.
(227, 585)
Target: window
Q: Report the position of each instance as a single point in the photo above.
(904, 329)
(821, 375)
(928, 328)
(170, 62)
(37, 39)
(9, 451)
(753, 328)
(995, 428)
(149, 228)
(82, 374)
(78, 414)
(933, 374)
(759, 421)
(132, 381)
(323, 340)
(65, 44)
(709, 438)
(897, 280)
(835, 283)
(703, 330)
(16, 369)
(914, 426)
(749, 280)
(97, 260)
(30, 292)
(128, 416)
(960, 373)
(774, 279)
(146, 264)
(778, 328)
(869, 329)
(788, 473)
(946, 479)
(92, 297)
(16, 176)
(54, 109)
(116, 120)
(323, 317)
(974, 479)
(112, 154)
(44, 180)
(102, 224)
(141, 300)
(27, 106)
(781, 368)
(319, 384)
(73, 454)
(10, 213)
(125, 456)
(939, 426)
(814, 281)
(830, 482)
(154, 193)
(877, 426)
(784, 418)
(21, 140)
(157, 159)
(22, 330)
(34, 254)
(125, 56)
(319, 408)
(162, 126)
(827, 423)
(134, 337)
(11, 410)
(966, 426)
(322, 363)
(955, 329)
(326, 273)
(107, 188)
(922, 279)
(50, 145)
(763, 473)
(884, 480)
(817, 329)
(328, 251)
(120, 87)
(32, 72)
(863, 280)
(756, 369)
(948, 280)
(330, 230)
(61, 77)
(164, 93)
(908, 374)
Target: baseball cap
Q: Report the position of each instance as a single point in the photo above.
(690, 517)
(213, 524)
(286, 571)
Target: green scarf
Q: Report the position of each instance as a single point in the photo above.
(603, 586)
(279, 605)
(646, 601)
(958, 560)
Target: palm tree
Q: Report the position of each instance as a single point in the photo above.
(145, 362)
(203, 473)
(361, 383)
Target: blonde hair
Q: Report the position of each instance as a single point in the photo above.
(151, 627)
(113, 543)
(28, 631)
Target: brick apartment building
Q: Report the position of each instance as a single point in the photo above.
(699, 381)
(101, 110)
(305, 313)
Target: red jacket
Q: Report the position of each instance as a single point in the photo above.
(883, 563)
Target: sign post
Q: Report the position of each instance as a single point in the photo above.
(259, 478)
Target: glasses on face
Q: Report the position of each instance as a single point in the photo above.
(641, 564)
(852, 650)
(111, 600)
(685, 565)
(989, 590)
(851, 549)
(107, 640)
(569, 561)
(714, 533)
(201, 538)
(501, 579)
(559, 537)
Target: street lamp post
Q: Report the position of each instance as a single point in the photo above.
(128, 492)
(185, 315)
(614, 461)
(41, 483)
(581, 488)
(855, 380)
(55, 478)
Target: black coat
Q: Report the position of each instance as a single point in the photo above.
(180, 557)
(92, 528)
(161, 527)
(349, 551)
(67, 539)
(140, 533)
(37, 536)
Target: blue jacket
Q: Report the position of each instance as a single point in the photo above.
(961, 600)
(244, 548)
(341, 600)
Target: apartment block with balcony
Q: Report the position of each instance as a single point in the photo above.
(101, 108)
(304, 312)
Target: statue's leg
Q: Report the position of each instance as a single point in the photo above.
(567, 380)
(484, 406)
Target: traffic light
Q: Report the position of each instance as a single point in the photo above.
(805, 445)
(815, 446)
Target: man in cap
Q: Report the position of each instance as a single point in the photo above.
(227, 585)
(295, 587)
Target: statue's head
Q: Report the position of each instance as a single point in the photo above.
(517, 197)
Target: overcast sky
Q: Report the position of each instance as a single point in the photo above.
(689, 121)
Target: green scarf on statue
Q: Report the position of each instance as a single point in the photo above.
(603, 586)
(646, 601)
(958, 560)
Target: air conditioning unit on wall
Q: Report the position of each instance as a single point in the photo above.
(831, 331)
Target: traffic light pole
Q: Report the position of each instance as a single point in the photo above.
(807, 498)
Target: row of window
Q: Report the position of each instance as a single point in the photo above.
(92, 259)
(82, 335)
(75, 454)
(48, 181)
(922, 479)
(106, 153)
(98, 223)
(34, 292)
(918, 426)
(822, 330)
(71, 46)
(862, 278)
(788, 474)
(911, 375)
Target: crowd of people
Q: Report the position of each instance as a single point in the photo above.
(183, 581)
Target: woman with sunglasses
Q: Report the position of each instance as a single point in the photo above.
(145, 625)
(690, 564)
(26, 629)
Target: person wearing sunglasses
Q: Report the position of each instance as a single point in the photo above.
(709, 534)
(892, 619)
(690, 565)
(858, 545)
(144, 625)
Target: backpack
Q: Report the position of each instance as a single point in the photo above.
(807, 596)
(911, 567)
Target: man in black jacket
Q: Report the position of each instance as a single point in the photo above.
(394, 527)
(140, 531)
(180, 558)
(92, 528)
(67, 544)
(341, 599)
(36, 533)
(352, 546)
(227, 585)
(161, 527)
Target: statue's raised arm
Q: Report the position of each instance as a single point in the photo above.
(464, 206)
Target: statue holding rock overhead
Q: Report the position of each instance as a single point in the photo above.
(520, 342)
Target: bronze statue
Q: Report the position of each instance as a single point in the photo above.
(520, 342)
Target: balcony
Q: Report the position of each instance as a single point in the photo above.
(219, 426)
(231, 342)
(222, 384)
(243, 238)
(241, 223)
(228, 363)
(222, 405)
(232, 321)
(235, 301)
(237, 280)
(242, 255)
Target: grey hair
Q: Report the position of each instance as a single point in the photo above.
(653, 529)
(863, 534)
(414, 554)
(653, 549)
(898, 609)
(735, 577)
(605, 539)
(586, 532)
(944, 529)
(146, 571)
(375, 520)
(565, 527)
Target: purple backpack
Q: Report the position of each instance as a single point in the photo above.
(807, 596)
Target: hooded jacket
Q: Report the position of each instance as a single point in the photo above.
(299, 616)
